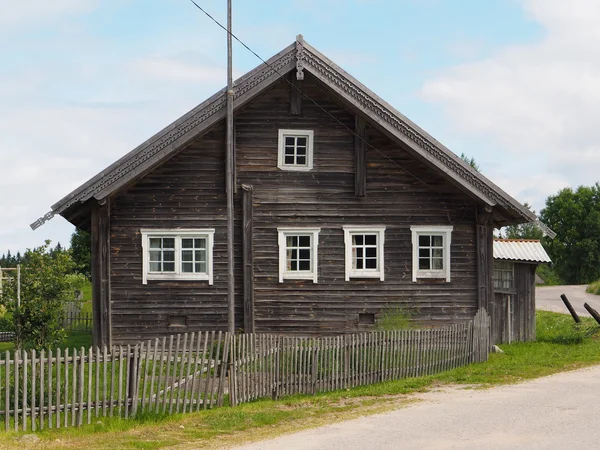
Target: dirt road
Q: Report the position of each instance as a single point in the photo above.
(555, 412)
(548, 298)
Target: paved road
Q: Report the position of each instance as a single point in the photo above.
(548, 298)
(556, 412)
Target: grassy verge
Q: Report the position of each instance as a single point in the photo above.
(594, 288)
(561, 346)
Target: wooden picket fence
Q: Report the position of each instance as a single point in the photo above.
(77, 321)
(194, 371)
(268, 366)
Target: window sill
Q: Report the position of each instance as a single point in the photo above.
(178, 277)
(439, 276)
(300, 276)
(295, 168)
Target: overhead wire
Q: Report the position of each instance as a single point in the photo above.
(312, 100)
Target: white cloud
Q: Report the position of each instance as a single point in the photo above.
(17, 15)
(535, 103)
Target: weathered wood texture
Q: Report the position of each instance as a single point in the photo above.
(325, 198)
(248, 256)
(101, 277)
(187, 192)
(514, 313)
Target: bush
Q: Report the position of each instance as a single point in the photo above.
(562, 329)
(594, 288)
(549, 275)
(395, 318)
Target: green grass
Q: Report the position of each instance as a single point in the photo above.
(562, 346)
(75, 339)
(594, 288)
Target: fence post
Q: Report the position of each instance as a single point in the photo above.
(232, 371)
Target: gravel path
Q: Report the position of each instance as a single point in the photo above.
(555, 412)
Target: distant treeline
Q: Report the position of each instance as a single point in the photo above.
(9, 260)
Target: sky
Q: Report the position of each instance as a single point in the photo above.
(512, 83)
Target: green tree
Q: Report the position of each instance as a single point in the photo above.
(47, 283)
(470, 161)
(81, 250)
(575, 217)
(524, 230)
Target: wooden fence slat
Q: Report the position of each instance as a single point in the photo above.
(42, 387)
(209, 363)
(203, 369)
(80, 387)
(33, 390)
(223, 367)
(50, 390)
(57, 403)
(152, 376)
(215, 369)
(91, 362)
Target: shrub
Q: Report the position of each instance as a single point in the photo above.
(594, 288)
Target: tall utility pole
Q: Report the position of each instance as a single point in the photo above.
(230, 166)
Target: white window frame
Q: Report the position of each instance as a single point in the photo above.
(285, 274)
(309, 135)
(349, 231)
(178, 234)
(446, 232)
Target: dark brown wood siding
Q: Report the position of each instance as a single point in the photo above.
(517, 322)
(400, 192)
(188, 192)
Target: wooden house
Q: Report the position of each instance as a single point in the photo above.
(342, 208)
(515, 261)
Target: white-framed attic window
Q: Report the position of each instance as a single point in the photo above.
(431, 251)
(364, 251)
(295, 150)
(177, 254)
(298, 253)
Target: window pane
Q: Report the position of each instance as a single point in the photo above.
(293, 253)
(169, 267)
(169, 255)
(168, 242)
(371, 252)
(371, 263)
(301, 141)
(371, 239)
(424, 264)
(290, 151)
(438, 253)
(201, 267)
(424, 253)
(187, 267)
(200, 243)
(154, 267)
(187, 255)
(359, 252)
(293, 265)
(438, 264)
(155, 242)
(290, 140)
(155, 255)
(424, 241)
(304, 241)
(292, 241)
(289, 159)
(438, 241)
(187, 243)
(200, 255)
(304, 265)
(305, 254)
(358, 239)
(301, 151)
(358, 263)
(301, 160)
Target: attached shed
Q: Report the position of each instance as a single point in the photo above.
(515, 262)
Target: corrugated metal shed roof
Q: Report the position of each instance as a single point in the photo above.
(520, 250)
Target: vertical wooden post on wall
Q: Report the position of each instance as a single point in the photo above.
(360, 173)
(485, 262)
(100, 227)
(248, 213)
(296, 96)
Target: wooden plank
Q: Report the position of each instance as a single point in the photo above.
(360, 174)
(58, 402)
(209, 362)
(50, 387)
(167, 374)
(33, 390)
(223, 368)
(128, 378)
(151, 394)
(120, 403)
(80, 387)
(74, 386)
(66, 391)
(97, 365)
(24, 399)
(42, 387)
(248, 257)
(17, 355)
(181, 370)
(204, 368)
(215, 374)
(7, 371)
(295, 96)
(91, 363)
(100, 237)
(160, 373)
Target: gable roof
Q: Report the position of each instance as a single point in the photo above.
(301, 57)
(527, 250)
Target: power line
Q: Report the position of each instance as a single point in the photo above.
(312, 100)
